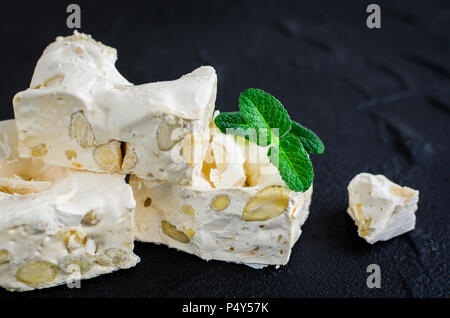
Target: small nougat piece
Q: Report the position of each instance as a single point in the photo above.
(80, 112)
(226, 215)
(57, 224)
(381, 208)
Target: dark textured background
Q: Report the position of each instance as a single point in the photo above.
(380, 100)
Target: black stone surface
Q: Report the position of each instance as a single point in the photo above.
(380, 100)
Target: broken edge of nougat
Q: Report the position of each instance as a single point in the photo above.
(381, 208)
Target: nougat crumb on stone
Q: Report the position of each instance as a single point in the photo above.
(381, 208)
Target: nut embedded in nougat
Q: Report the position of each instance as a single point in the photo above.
(266, 204)
(16, 184)
(71, 154)
(37, 273)
(220, 202)
(402, 192)
(72, 264)
(171, 231)
(189, 232)
(72, 238)
(90, 219)
(114, 257)
(81, 130)
(147, 202)
(166, 136)
(363, 222)
(188, 210)
(130, 158)
(5, 257)
(54, 81)
(39, 150)
(109, 156)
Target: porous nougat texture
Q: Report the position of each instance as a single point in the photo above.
(80, 112)
(381, 208)
(57, 224)
(237, 211)
(212, 224)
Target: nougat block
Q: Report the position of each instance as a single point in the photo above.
(80, 112)
(251, 225)
(57, 224)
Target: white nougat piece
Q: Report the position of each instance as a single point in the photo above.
(381, 208)
(251, 225)
(80, 112)
(57, 224)
(220, 218)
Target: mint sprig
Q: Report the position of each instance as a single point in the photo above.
(261, 110)
(311, 142)
(259, 114)
(294, 164)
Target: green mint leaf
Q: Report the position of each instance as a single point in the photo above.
(230, 120)
(262, 111)
(311, 142)
(293, 163)
(234, 123)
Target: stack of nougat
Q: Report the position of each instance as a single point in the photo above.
(66, 212)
